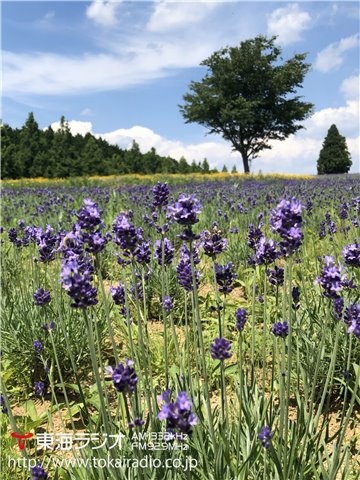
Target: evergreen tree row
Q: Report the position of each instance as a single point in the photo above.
(30, 152)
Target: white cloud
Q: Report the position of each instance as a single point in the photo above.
(103, 12)
(350, 87)
(87, 111)
(288, 23)
(332, 56)
(75, 127)
(297, 154)
(168, 16)
(214, 151)
(346, 118)
(38, 73)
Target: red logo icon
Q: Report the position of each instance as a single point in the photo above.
(21, 437)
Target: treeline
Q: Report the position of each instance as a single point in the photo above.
(30, 152)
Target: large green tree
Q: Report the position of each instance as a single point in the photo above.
(248, 96)
(334, 156)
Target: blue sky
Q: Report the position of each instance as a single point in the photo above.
(120, 69)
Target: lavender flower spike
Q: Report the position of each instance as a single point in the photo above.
(265, 436)
(185, 210)
(351, 254)
(220, 349)
(124, 376)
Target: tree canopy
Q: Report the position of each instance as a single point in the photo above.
(248, 96)
(334, 156)
(32, 152)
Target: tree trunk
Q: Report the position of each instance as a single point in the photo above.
(245, 160)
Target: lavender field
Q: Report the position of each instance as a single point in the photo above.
(206, 329)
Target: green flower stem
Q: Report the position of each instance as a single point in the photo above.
(309, 428)
(253, 329)
(283, 410)
(62, 380)
(288, 302)
(95, 366)
(166, 358)
(202, 350)
(175, 337)
(330, 374)
(68, 346)
(264, 336)
(143, 348)
(106, 307)
(344, 426)
(240, 396)
(348, 362)
(224, 416)
(217, 296)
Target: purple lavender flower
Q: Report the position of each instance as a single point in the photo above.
(352, 319)
(185, 210)
(160, 195)
(76, 277)
(168, 251)
(338, 307)
(351, 254)
(118, 294)
(322, 230)
(331, 227)
(89, 215)
(330, 279)
(136, 291)
(185, 254)
(184, 270)
(94, 241)
(309, 206)
(184, 275)
(47, 244)
(254, 235)
(48, 326)
(220, 349)
(280, 329)
(124, 376)
(265, 436)
(344, 211)
(39, 388)
(3, 406)
(41, 297)
(295, 293)
(143, 253)
(225, 277)
(38, 346)
(276, 276)
(286, 220)
(347, 375)
(12, 234)
(286, 215)
(126, 235)
(292, 241)
(167, 304)
(241, 317)
(266, 252)
(178, 414)
(138, 422)
(38, 473)
(212, 242)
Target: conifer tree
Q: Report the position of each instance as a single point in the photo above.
(334, 156)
